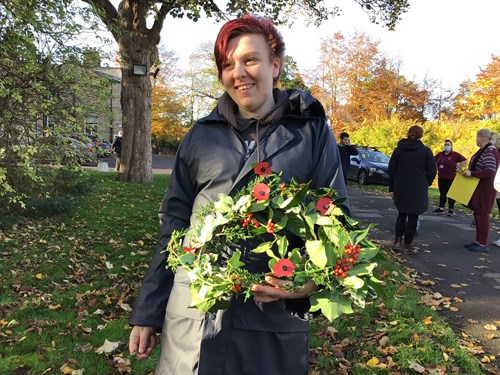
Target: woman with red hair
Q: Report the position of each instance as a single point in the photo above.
(253, 122)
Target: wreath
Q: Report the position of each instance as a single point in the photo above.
(334, 251)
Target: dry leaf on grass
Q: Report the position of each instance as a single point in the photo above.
(108, 347)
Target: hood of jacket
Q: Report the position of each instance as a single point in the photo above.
(410, 144)
(290, 103)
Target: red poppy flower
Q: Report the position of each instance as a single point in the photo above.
(325, 206)
(284, 268)
(262, 169)
(189, 249)
(261, 192)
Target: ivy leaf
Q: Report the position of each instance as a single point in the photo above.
(316, 251)
(332, 305)
(234, 261)
(265, 247)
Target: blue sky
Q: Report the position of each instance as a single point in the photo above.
(447, 40)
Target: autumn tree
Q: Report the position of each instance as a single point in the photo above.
(480, 99)
(167, 109)
(137, 44)
(358, 84)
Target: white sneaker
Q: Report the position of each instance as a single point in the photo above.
(496, 243)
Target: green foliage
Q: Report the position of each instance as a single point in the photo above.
(45, 91)
(386, 134)
(59, 191)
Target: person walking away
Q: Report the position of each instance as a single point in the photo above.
(253, 122)
(116, 147)
(483, 165)
(346, 150)
(447, 161)
(412, 169)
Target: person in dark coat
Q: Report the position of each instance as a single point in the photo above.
(447, 161)
(253, 122)
(116, 147)
(412, 170)
(483, 165)
(346, 150)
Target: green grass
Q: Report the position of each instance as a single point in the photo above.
(67, 283)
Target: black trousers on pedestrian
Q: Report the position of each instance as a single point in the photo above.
(444, 186)
(406, 225)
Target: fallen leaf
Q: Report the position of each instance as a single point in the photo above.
(125, 306)
(373, 361)
(486, 359)
(39, 276)
(331, 332)
(416, 366)
(427, 320)
(490, 327)
(384, 341)
(108, 347)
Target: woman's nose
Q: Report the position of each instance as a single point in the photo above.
(239, 71)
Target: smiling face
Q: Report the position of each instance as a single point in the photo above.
(248, 74)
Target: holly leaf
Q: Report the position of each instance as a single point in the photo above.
(283, 246)
(353, 282)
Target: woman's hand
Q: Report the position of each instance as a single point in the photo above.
(142, 341)
(467, 173)
(274, 291)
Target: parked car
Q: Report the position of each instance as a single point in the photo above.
(79, 152)
(102, 148)
(369, 166)
(106, 148)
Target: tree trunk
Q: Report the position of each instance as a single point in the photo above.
(136, 157)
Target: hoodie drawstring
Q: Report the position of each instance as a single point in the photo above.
(257, 140)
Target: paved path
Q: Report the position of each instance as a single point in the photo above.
(455, 271)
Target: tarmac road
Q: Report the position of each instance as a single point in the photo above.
(455, 271)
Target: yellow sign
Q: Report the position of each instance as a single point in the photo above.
(462, 188)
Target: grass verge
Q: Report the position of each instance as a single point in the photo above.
(68, 284)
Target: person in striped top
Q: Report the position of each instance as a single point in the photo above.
(483, 165)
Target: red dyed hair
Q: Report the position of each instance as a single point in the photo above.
(249, 24)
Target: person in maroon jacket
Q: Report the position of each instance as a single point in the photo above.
(483, 165)
(447, 161)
